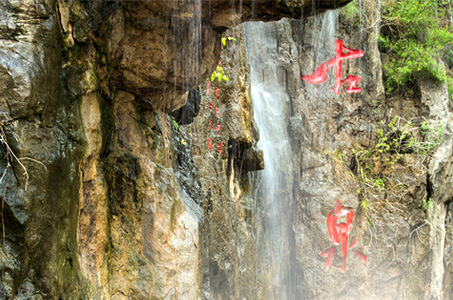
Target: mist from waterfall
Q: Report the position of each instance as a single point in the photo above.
(273, 185)
(276, 187)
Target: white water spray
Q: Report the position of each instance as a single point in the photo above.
(273, 185)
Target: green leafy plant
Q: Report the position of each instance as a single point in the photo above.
(178, 133)
(229, 38)
(373, 167)
(432, 136)
(427, 204)
(351, 12)
(219, 73)
(175, 125)
(415, 38)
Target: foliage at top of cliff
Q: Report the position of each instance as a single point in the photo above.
(416, 35)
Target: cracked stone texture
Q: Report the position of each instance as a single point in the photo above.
(120, 203)
(101, 212)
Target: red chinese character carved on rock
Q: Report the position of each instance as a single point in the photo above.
(219, 127)
(320, 74)
(220, 148)
(339, 233)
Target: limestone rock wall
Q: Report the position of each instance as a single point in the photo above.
(100, 196)
(41, 125)
(403, 227)
(407, 242)
(107, 196)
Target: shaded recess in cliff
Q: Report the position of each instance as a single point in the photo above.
(184, 38)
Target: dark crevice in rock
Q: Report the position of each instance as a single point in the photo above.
(121, 174)
(243, 157)
(429, 187)
(13, 247)
(186, 114)
(186, 171)
(107, 126)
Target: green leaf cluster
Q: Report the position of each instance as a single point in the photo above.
(175, 125)
(351, 12)
(229, 38)
(219, 73)
(427, 204)
(415, 37)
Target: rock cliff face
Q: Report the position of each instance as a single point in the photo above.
(402, 225)
(125, 174)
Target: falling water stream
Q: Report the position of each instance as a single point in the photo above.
(277, 185)
(273, 185)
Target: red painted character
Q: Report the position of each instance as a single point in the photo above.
(217, 112)
(220, 148)
(210, 144)
(210, 124)
(210, 105)
(320, 74)
(217, 93)
(339, 233)
(219, 127)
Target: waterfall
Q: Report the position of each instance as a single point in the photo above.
(272, 53)
(273, 185)
(323, 42)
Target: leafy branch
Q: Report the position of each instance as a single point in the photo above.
(224, 40)
(219, 73)
(414, 37)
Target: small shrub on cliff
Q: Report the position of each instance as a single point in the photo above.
(427, 204)
(415, 38)
(395, 143)
(351, 12)
(219, 73)
(229, 38)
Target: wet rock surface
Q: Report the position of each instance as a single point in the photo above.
(184, 39)
(109, 197)
(405, 240)
(93, 206)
